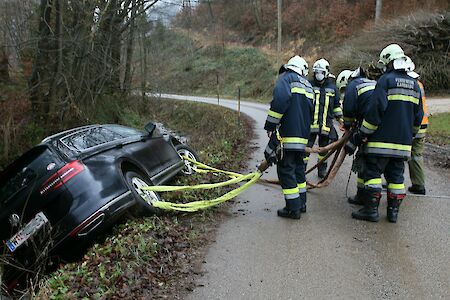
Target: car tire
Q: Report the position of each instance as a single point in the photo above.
(144, 199)
(184, 150)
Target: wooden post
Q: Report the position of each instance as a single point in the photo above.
(378, 9)
(217, 82)
(239, 105)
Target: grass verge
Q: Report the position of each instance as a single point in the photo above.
(439, 129)
(159, 257)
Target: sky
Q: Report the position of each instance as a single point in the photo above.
(167, 9)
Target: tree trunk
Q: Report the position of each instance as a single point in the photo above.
(129, 53)
(38, 82)
(4, 66)
(55, 94)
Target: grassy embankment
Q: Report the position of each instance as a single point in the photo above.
(181, 64)
(159, 256)
(439, 129)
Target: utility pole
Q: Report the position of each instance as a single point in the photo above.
(378, 8)
(279, 4)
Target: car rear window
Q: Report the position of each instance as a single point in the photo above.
(24, 172)
(92, 137)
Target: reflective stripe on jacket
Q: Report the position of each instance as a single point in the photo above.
(393, 116)
(358, 94)
(424, 125)
(326, 106)
(291, 110)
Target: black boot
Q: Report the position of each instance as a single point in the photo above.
(322, 170)
(369, 212)
(394, 202)
(303, 202)
(417, 189)
(357, 199)
(287, 213)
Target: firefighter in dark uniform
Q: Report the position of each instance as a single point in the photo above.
(288, 125)
(394, 117)
(358, 93)
(326, 107)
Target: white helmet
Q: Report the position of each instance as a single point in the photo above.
(298, 65)
(390, 53)
(410, 66)
(322, 65)
(342, 79)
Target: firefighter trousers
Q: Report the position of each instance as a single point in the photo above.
(291, 173)
(393, 170)
(416, 163)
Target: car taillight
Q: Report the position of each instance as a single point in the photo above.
(61, 176)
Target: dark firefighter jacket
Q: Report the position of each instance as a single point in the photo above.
(358, 94)
(291, 109)
(394, 115)
(326, 106)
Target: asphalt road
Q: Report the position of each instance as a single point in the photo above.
(327, 254)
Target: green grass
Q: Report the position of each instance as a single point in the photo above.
(154, 257)
(439, 129)
(177, 64)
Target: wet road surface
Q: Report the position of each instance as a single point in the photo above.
(327, 254)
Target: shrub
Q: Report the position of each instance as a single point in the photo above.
(423, 36)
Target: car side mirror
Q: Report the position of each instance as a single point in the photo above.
(150, 127)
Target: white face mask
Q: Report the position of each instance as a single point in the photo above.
(319, 76)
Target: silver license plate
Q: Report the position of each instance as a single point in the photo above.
(26, 232)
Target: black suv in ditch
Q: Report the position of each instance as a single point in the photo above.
(77, 183)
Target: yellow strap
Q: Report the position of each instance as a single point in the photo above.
(198, 205)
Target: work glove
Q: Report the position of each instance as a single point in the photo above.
(270, 153)
(353, 142)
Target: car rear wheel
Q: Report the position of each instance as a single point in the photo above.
(184, 150)
(144, 199)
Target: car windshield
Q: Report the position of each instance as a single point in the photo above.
(92, 137)
(23, 172)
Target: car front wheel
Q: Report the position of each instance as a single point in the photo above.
(144, 199)
(184, 150)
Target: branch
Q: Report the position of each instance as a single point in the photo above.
(125, 26)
